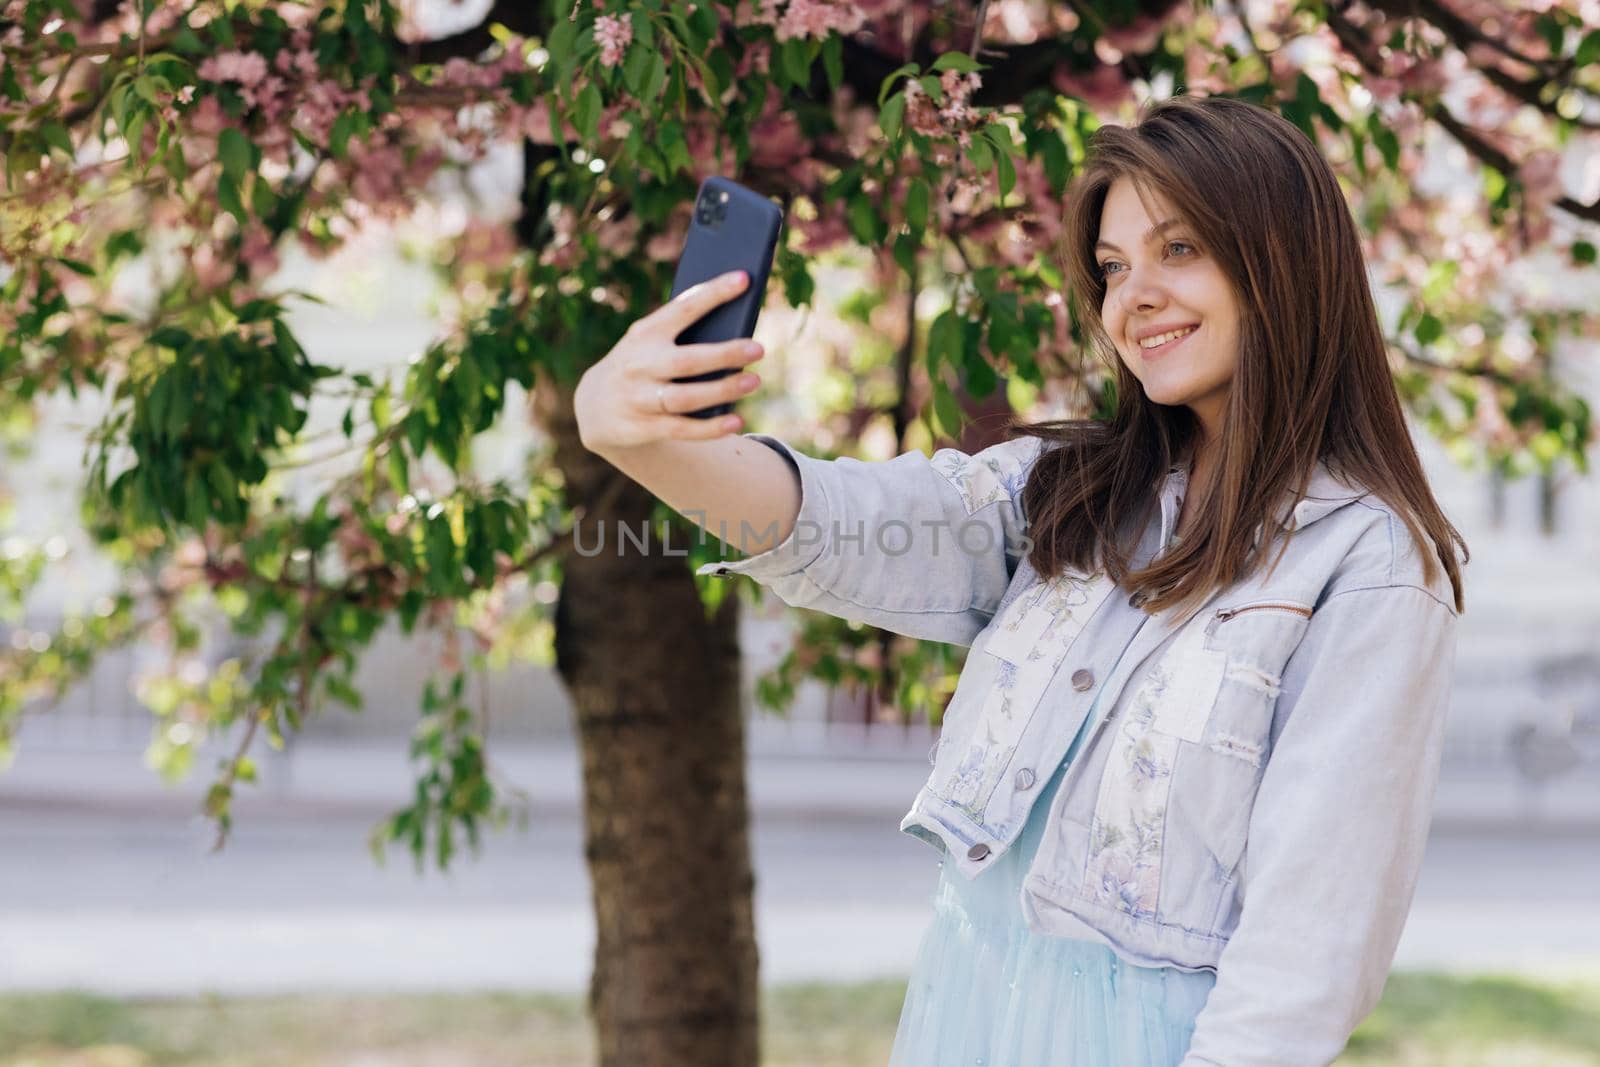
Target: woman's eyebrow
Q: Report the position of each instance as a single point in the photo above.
(1149, 234)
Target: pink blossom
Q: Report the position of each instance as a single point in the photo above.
(1138, 37)
(667, 244)
(814, 18)
(756, 57)
(212, 269)
(827, 230)
(619, 237)
(613, 34)
(921, 115)
(257, 252)
(1540, 175)
(776, 141)
(246, 68)
(208, 118)
(1104, 88)
(957, 113)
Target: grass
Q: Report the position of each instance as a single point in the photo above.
(1424, 1020)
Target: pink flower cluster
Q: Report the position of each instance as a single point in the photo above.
(808, 18)
(246, 68)
(956, 118)
(613, 33)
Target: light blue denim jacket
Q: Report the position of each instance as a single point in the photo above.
(1256, 799)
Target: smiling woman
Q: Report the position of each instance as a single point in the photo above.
(1179, 799)
(1168, 307)
(1283, 365)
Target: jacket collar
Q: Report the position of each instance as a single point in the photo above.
(1325, 494)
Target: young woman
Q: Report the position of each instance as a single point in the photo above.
(1183, 788)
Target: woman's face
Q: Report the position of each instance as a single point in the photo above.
(1155, 284)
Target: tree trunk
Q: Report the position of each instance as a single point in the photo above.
(666, 823)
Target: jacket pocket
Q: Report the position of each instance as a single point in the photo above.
(1223, 751)
(1023, 648)
(1174, 802)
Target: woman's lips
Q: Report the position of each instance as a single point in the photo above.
(1161, 350)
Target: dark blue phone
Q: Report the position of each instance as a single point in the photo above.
(733, 228)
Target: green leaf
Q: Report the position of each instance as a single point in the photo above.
(586, 114)
(1588, 51)
(262, 199)
(905, 252)
(795, 63)
(634, 69)
(563, 36)
(833, 60)
(171, 337)
(1008, 173)
(889, 118)
(1388, 144)
(339, 135)
(863, 219)
(939, 336)
(1054, 151)
(946, 410)
(234, 150)
(228, 197)
(981, 154)
(1429, 329)
(958, 61)
(917, 205)
(54, 134)
(888, 83)
(657, 74)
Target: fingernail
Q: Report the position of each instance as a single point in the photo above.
(752, 349)
(740, 277)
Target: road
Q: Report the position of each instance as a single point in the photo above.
(124, 896)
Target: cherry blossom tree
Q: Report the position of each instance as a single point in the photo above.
(189, 143)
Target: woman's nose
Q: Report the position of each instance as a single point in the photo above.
(1140, 293)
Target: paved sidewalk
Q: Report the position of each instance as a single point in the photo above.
(108, 882)
(793, 773)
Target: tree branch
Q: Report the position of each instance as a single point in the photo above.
(1355, 42)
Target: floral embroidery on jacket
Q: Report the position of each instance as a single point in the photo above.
(1125, 835)
(995, 474)
(1028, 644)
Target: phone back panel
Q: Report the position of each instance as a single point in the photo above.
(745, 238)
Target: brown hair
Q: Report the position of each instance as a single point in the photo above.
(1312, 383)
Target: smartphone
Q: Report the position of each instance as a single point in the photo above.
(733, 228)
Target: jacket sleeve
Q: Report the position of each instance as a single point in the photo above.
(917, 545)
(1337, 833)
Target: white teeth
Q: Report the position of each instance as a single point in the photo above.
(1163, 338)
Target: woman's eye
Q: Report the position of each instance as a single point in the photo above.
(1105, 268)
(1180, 244)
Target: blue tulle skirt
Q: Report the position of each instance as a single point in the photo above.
(986, 991)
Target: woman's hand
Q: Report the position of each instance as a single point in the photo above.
(629, 399)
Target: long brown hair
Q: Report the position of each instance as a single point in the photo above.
(1312, 383)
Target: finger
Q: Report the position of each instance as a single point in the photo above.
(683, 428)
(680, 398)
(694, 302)
(684, 360)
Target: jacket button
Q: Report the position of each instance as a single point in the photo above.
(978, 851)
(1082, 679)
(1024, 778)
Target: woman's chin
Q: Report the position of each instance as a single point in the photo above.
(1168, 396)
